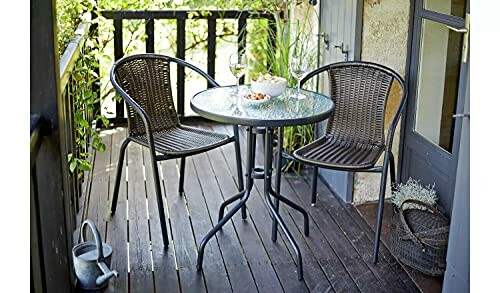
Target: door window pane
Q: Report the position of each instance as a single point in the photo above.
(438, 79)
(450, 7)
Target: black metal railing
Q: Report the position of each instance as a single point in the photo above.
(180, 16)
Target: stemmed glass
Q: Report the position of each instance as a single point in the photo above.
(299, 64)
(238, 65)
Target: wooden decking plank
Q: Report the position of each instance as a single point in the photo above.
(141, 276)
(261, 267)
(350, 260)
(400, 270)
(361, 241)
(117, 229)
(336, 255)
(165, 273)
(236, 264)
(99, 189)
(214, 269)
(278, 251)
(315, 278)
(182, 234)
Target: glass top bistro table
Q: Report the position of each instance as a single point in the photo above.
(220, 104)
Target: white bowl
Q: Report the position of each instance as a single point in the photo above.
(272, 89)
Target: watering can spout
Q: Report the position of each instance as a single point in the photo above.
(107, 274)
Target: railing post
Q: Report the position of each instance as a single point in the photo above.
(242, 34)
(118, 43)
(150, 32)
(212, 23)
(181, 54)
(96, 88)
(272, 37)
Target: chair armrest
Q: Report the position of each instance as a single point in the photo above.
(210, 80)
(397, 116)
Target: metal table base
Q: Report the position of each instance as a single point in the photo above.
(264, 173)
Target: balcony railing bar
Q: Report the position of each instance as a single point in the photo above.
(180, 16)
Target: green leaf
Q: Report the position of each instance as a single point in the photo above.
(84, 165)
(101, 147)
(72, 166)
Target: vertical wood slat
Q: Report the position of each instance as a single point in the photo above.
(181, 54)
(118, 46)
(71, 144)
(212, 23)
(242, 35)
(273, 30)
(150, 32)
(96, 88)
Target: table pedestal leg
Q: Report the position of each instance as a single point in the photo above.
(243, 196)
(268, 149)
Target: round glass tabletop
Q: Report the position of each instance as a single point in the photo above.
(221, 104)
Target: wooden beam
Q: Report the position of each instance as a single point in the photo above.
(52, 196)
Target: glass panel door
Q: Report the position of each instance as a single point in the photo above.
(450, 7)
(438, 83)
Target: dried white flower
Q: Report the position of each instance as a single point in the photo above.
(413, 190)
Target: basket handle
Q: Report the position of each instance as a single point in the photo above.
(407, 229)
(97, 237)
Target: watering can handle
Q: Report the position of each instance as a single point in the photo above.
(97, 237)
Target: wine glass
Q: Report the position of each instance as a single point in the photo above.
(238, 65)
(299, 64)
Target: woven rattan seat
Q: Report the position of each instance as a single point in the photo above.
(354, 138)
(328, 152)
(143, 80)
(184, 141)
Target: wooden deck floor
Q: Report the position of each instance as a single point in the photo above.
(242, 258)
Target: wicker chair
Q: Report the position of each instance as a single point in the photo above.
(354, 136)
(143, 80)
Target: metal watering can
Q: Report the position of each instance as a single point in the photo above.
(92, 260)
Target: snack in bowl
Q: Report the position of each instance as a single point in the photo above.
(255, 97)
(268, 84)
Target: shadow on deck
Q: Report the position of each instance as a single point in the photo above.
(242, 258)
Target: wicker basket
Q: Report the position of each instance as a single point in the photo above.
(420, 238)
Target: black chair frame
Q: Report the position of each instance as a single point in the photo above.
(388, 162)
(155, 158)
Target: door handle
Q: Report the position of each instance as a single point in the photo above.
(463, 30)
(462, 115)
(326, 39)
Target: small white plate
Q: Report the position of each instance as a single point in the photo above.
(255, 102)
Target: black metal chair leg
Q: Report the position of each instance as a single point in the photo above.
(277, 182)
(239, 169)
(380, 211)
(159, 198)
(393, 171)
(119, 174)
(181, 176)
(314, 186)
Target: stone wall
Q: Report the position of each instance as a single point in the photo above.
(384, 41)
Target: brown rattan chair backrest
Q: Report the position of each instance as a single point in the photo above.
(144, 80)
(360, 91)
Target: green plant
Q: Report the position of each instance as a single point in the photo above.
(86, 103)
(413, 190)
(286, 34)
